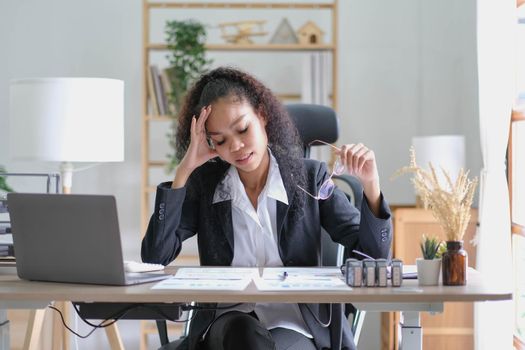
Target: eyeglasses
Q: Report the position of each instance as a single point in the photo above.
(327, 188)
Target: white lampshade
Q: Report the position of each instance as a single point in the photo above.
(443, 151)
(67, 119)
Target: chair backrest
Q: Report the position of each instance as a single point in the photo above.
(314, 122)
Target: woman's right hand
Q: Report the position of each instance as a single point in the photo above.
(199, 151)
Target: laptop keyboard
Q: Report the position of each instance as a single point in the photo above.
(134, 266)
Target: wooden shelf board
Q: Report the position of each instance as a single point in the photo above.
(237, 5)
(253, 47)
(518, 229)
(157, 163)
(517, 115)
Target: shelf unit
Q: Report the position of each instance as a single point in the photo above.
(149, 47)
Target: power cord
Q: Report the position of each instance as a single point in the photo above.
(102, 324)
(121, 313)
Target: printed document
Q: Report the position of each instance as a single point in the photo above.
(209, 278)
(298, 278)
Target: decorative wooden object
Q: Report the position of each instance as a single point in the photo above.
(241, 32)
(310, 34)
(284, 34)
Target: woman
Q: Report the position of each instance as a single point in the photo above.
(241, 186)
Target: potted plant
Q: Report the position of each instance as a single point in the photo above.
(3, 183)
(429, 265)
(450, 204)
(187, 61)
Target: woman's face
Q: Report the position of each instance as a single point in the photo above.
(238, 134)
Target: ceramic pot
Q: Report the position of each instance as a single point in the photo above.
(428, 271)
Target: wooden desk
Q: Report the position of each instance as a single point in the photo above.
(410, 298)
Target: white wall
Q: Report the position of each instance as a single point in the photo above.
(405, 68)
(79, 38)
(408, 68)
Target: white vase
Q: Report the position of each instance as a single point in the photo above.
(428, 271)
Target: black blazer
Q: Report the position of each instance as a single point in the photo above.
(182, 213)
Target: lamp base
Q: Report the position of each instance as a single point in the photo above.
(66, 173)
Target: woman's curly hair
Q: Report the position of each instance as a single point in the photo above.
(283, 137)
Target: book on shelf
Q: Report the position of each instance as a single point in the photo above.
(7, 250)
(159, 91)
(152, 96)
(6, 245)
(3, 205)
(168, 89)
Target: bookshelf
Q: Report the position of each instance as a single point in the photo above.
(309, 10)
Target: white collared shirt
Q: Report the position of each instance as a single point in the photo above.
(255, 240)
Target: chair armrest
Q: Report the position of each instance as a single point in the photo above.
(356, 195)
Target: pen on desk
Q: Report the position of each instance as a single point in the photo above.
(284, 275)
(361, 253)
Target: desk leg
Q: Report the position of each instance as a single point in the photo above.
(115, 341)
(4, 331)
(34, 329)
(411, 331)
(60, 333)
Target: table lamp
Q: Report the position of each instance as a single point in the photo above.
(67, 120)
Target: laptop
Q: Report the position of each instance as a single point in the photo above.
(69, 238)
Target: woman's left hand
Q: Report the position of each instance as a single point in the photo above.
(359, 161)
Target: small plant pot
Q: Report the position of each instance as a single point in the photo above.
(428, 271)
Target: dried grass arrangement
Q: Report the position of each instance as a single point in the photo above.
(450, 205)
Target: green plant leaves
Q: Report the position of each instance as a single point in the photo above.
(186, 42)
(3, 183)
(187, 59)
(431, 247)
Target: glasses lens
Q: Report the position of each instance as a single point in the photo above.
(326, 189)
(338, 167)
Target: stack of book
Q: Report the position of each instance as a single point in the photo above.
(159, 91)
(6, 249)
(6, 238)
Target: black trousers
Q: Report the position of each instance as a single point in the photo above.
(237, 330)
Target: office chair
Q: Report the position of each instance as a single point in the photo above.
(314, 122)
